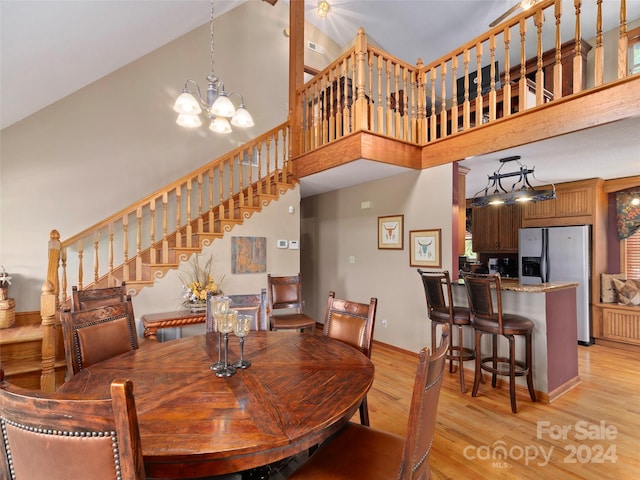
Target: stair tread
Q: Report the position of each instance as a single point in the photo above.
(26, 333)
(28, 366)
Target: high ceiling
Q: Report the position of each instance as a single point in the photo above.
(51, 48)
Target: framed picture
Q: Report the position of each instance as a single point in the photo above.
(426, 248)
(248, 254)
(390, 232)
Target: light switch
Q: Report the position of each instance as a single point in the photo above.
(352, 259)
(293, 245)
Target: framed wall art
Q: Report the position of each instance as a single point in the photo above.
(390, 232)
(426, 248)
(248, 254)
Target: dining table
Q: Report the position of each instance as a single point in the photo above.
(299, 390)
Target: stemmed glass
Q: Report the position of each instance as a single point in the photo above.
(243, 325)
(226, 325)
(219, 305)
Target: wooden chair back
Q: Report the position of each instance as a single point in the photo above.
(285, 293)
(97, 297)
(422, 413)
(437, 290)
(58, 438)
(351, 322)
(91, 336)
(479, 293)
(246, 304)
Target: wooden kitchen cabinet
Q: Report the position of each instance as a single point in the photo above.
(495, 228)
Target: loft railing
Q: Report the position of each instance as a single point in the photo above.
(517, 65)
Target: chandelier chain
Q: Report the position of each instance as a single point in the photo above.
(212, 42)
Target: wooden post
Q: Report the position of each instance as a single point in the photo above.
(296, 74)
(361, 122)
(48, 315)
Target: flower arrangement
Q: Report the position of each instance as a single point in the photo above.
(198, 281)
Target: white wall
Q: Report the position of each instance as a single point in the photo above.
(335, 227)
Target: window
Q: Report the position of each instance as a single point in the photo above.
(634, 50)
(632, 255)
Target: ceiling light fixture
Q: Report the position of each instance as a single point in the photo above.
(323, 9)
(521, 190)
(221, 112)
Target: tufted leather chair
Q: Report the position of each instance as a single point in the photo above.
(97, 297)
(352, 323)
(358, 452)
(441, 310)
(59, 438)
(285, 294)
(91, 336)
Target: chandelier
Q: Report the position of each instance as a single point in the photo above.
(217, 105)
(521, 190)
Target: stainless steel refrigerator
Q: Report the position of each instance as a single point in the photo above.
(559, 254)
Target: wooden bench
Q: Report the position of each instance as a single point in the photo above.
(616, 325)
(152, 322)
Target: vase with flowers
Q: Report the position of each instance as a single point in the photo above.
(197, 281)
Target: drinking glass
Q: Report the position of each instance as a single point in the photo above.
(219, 305)
(243, 325)
(226, 326)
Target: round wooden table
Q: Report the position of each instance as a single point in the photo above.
(299, 390)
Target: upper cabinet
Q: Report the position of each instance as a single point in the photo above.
(495, 228)
(575, 205)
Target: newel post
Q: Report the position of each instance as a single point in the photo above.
(361, 121)
(48, 315)
(422, 105)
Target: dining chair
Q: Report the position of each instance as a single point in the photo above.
(488, 318)
(254, 304)
(285, 294)
(360, 452)
(97, 297)
(91, 336)
(441, 310)
(352, 323)
(49, 435)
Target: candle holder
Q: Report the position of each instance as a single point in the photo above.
(219, 305)
(226, 326)
(242, 327)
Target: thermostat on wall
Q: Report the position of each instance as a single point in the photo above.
(282, 244)
(293, 244)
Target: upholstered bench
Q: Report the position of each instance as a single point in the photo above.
(617, 317)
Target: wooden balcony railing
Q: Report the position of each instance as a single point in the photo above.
(536, 57)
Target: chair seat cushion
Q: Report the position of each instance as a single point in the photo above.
(356, 452)
(460, 316)
(511, 324)
(293, 320)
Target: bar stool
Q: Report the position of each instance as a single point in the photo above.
(441, 311)
(487, 319)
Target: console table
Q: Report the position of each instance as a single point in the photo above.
(152, 322)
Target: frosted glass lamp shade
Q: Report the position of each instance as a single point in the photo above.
(242, 118)
(220, 125)
(223, 107)
(188, 120)
(186, 103)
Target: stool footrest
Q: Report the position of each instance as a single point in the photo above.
(486, 364)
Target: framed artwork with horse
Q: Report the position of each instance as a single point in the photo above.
(391, 232)
(426, 248)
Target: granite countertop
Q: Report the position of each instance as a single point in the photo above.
(513, 285)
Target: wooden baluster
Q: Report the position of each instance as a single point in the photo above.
(346, 111)
(335, 107)
(48, 321)
(522, 82)
(389, 119)
(492, 84)
(506, 97)
(623, 41)
(80, 267)
(405, 103)
(139, 244)
(125, 248)
(454, 95)
(370, 107)
(539, 22)
(232, 204)
(165, 227)
(96, 264)
(153, 251)
(396, 115)
(557, 67)
(380, 107)
(200, 200)
(210, 174)
(241, 166)
(599, 53)
(262, 182)
(414, 108)
(479, 99)
(577, 57)
(64, 286)
(178, 211)
(443, 103)
(350, 125)
(466, 106)
(287, 168)
(433, 117)
(317, 116)
(221, 214)
(189, 230)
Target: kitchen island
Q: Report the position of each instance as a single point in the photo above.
(552, 308)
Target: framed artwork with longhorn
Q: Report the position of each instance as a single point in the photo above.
(425, 248)
(391, 232)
